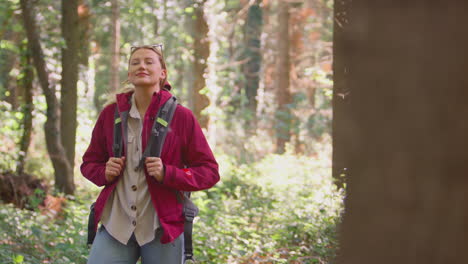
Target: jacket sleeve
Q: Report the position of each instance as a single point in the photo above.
(96, 156)
(202, 169)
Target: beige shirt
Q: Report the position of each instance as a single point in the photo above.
(129, 208)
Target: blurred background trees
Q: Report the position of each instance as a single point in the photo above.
(249, 70)
(256, 73)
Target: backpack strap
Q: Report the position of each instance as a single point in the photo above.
(117, 145)
(91, 226)
(159, 131)
(190, 211)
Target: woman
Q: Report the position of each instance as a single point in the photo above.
(140, 210)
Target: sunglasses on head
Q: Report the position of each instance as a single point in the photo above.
(155, 47)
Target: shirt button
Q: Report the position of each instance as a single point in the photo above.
(133, 207)
(134, 223)
(134, 188)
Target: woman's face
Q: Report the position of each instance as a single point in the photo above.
(144, 69)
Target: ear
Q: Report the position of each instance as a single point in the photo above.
(163, 74)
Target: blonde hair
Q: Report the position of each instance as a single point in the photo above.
(128, 87)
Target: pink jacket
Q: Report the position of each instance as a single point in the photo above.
(186, 155)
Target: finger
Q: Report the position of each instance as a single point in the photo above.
(115, 166)
(119, 161)
(152, 159)
(154, 167)
(114, 169)
(154, 170)
(113, 160)
(113, 172)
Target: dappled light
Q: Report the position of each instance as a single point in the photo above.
(257, 76)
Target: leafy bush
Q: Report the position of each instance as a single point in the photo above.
(29, 237)
(282, 209)
(10, 133)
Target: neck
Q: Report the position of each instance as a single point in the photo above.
(143, 96)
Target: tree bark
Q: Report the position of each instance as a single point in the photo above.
(28, 107)
(297, 22)
(9, 61)
(84, 30)
(69, 92)
(115, 46)
(283, 93)
(201, 47)
(252, 43)
(406, 192)
(341, 96)
(62, 168)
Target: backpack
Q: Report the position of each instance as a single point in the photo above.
(153, 149)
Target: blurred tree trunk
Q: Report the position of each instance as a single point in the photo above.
(297, 23)
(406, 192)
(341, 94)
(84, 29)
(283, 93)
(69, 92)
(201, 47)
(9, 61)
(252, 43)
(62, 168)
(115, 46)
(27, 105)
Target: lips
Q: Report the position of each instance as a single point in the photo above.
(142, 74)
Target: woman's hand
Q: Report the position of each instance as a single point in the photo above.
(114, 167)
(155, 168)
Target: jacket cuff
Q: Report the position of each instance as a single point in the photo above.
(169, 175)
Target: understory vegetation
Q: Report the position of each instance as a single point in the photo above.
(281, 209)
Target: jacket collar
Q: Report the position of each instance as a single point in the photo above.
(158, 99)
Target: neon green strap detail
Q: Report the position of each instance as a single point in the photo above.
(162, 121)
(117, 120)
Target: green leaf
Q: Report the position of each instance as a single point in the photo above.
(17, 259)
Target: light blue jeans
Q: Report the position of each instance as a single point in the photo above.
(107, 250)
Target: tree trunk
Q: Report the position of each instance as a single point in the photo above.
(341, 95)
(28, 107)
(406, 192)
(283, 93)
(62, 168)
(84, 29)
(70, 56)
(9, 61)
(115, 56)
(297, 23)
(251, 70)
(201, 47)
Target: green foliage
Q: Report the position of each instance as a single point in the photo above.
(10, 134)
(283, 208)
(280, 209)
(37, 162)
(29, 237)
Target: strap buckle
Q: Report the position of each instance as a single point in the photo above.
(188, 258)
(190, 211)
(189, 216)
